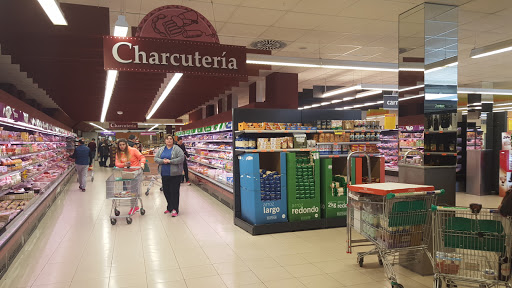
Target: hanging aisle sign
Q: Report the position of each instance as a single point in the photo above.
(138, 54)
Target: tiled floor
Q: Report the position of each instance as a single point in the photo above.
(76, 246)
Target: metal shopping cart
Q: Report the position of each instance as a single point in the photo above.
(151, 176)
(395, 218)
(472, 247)
(123, 188)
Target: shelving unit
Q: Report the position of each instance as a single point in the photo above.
(207, 175)
(408, 135)
(389, 149)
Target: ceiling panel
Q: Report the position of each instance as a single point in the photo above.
(241, 30)
(324, 7)
(256, 16)
(283, 34)
(302, 20)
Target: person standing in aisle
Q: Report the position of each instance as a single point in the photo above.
(127, 157)
(113, 152)
(104, 151)
(170, 160)
(81, 156)
(92, 151)
(185, 165)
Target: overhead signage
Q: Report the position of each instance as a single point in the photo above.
(390, 102)
(122, 126)
(138, 54)
(148, 133)
(109, 133)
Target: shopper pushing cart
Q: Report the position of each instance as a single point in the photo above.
(123, 188)
(472, 246)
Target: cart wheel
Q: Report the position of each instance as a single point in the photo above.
(398, 285)
(147, 192)
(129, 220)
(361, 260)
(450, 284)
(117, 212)
(142, 211)
(438, 283)
(92, 179)
(161, 189)
(380, 261)
(113, 221)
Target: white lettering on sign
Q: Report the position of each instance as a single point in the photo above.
(195, 60)
(392, 103)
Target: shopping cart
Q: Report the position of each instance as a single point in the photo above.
(472, 246)
(395, 218)
(151, 176)
(123, 188)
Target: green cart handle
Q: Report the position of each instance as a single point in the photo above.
(467, 209)
(400, 195)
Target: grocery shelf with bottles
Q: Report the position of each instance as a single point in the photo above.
(211, 155)
(475, 139)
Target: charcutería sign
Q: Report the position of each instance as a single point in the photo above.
(122, 126)
(139, 54)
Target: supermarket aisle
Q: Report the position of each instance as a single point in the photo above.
(76, 246)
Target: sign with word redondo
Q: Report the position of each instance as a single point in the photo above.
(122, 126)
(138, 54)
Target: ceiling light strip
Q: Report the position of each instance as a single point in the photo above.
(156, 125)
(52, 9)
(496, 48)
(165, 93)
(98, 126)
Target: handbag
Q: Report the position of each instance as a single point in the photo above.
(505, 208)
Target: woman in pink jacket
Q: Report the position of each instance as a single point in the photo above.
(126, 157)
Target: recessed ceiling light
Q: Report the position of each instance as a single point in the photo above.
(120, 112)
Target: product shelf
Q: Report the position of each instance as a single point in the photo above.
(350, 143)
(220, 184)
(346, 155)
(216, 140)
(31, 154)
(209, 165)
(440, 132)
(210, 157)
(276, 150)
(22, 143)
(26, 167)
(211, 149)
(411, 147)
(304, 131)
(441, 153)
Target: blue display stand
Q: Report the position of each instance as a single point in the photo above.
(255, 210)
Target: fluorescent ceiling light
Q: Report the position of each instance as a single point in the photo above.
(325, 103)
(340, 91)
(52, 9)
(336, 101)
(411, 69)
(503, 104)
(368, 93)
(411, 97)
(109, 89)
(165, 93)
(112, 74)
(485, 91)
(411, 88)
(300, 108)
(156, 125)
(307, 107)
(121, 28)
(283, 64)
(348, 98)
(315, 105)
(98, 126)
(496, 48)
(319, 63)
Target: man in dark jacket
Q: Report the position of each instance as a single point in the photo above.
(92, 151)
(81, 156)
(104, 151)
(185, 166)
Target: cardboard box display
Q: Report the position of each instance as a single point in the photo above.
(263, 206)
(333, 198)
(303, 186)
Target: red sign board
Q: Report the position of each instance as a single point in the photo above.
(122, 126)
(138, 54)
